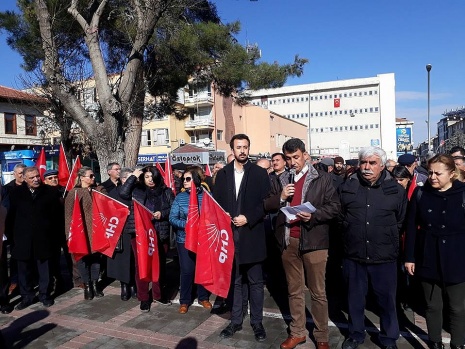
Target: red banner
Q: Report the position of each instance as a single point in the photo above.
(147, 244)
(215, 250)
(72, 178)
(337, 103)
(77, 239)
(108, 219)
(160, 169)
(63, 169)
(192, 222)
(41, 164)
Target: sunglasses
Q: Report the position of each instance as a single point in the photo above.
(90, 176)
(187, 179)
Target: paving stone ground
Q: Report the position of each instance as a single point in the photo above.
(109, 322)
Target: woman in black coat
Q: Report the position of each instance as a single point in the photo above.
(435, 248)
(151, 191)
(121, 265)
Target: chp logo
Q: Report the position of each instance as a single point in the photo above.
(219, 241)
(109, 224)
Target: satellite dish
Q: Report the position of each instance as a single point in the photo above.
(206, 141)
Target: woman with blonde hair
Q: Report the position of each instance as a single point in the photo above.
(88, 266)
(435, 248)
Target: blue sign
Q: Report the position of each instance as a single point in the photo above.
(404, 140)
(145, 158)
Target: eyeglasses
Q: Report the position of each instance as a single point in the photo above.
(49, 178)
(116, 169)
(187, 179)
(90, 176)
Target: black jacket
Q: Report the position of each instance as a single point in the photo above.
(435, 234)
(132, 189)
(34, 222)
(249, 240)
(372, 217)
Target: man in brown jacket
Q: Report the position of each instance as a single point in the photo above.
(304, 241)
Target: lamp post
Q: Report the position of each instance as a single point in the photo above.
(428, 69)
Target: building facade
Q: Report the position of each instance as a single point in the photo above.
(342, 116)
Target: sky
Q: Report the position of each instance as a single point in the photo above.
(348, 39)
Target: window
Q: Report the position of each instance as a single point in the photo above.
(10, 123)
(31, 127)
(376, 108)
(371, 93)
(219, 135)
(145, 139)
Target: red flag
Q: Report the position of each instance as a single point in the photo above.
(215, 251)
(77, 239)
(192, 222)
(160, 169)
(169, 178)
(337, 102)
(72, 178)
(63, 169)
(208, 172)
(41, 164)
(108, 219)
(147, 244)
(413, 185)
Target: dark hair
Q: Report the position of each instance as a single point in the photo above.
(292, 145)
(445, 159)
(400, 171)
(110, 165)
(195, 176)
(279, 154)
(239, 136)
(197, 169)
(156, 176)
(320, 166)
(456, 149)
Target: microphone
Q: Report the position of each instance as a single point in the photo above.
(291, 179)
(292, 176)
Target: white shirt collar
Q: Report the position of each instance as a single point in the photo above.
(301, 173)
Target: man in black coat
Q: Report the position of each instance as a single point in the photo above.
(373, 206)
(113, 170)
(32, 220)
(240, 189)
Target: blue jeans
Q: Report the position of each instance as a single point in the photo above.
(187, 264)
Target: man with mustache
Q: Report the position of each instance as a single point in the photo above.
(240, 189)
(373, 209)
(304, 241)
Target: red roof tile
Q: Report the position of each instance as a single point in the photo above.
(7, 93)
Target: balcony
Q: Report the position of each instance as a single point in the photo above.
(200, 100)
(199, 124)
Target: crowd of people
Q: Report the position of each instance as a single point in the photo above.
(391, 227)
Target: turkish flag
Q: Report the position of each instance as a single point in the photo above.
(72, 178)
(77, 238)
(337, 102)
(208, 172)
(192, 222)
(215, 250)
(108, 219)
(169, 178)
(41, 164)
(148, 260)
(63, 169)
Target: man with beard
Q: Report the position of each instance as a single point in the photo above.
(240, 189)
(339, 168)
(373, 209)
(32, 220)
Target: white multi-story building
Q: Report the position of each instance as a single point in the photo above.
(341, 116)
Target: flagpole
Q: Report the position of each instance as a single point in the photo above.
(70, 175)
(145, 208)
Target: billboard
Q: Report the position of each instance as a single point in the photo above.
(404, 140)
